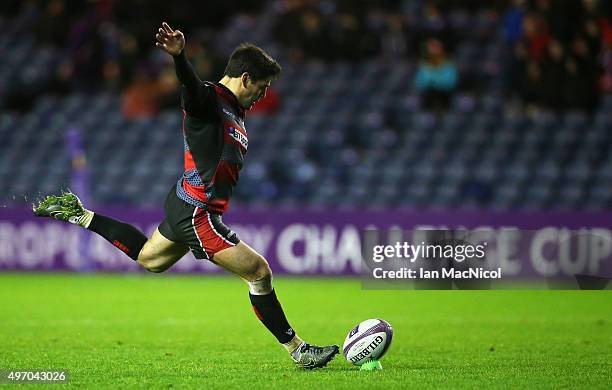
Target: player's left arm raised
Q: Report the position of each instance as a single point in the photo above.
(173, 42)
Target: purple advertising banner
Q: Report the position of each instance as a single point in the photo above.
(322, 242)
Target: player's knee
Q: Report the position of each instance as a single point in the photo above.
(264, 271)
(261, 270)
(155, 269)
(261, 281)
(151, 265)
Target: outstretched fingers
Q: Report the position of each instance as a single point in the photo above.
(161, 40)
(170, 40)
(167, 28)
(161, 36)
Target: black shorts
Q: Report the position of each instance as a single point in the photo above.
(204, 232)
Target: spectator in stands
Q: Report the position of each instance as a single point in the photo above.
(592, 34)
(513, 22)
(144, 96)
(606, 63)
(205, 61)
(532, 88)
(350, 37)
(553, 76)
(536, 36)
(334, 31)
(559, 59)
(581, 86)
(394, 37)
(436, 78)
(559, 17)
(313, 38)
(432, 24)
(306, 35)
(52, 26)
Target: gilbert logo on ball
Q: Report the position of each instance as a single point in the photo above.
(367, 341)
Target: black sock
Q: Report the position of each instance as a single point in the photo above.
(270, 313)
(125, 237)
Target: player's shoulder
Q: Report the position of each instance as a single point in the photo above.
(202, 104)
(204, 90)
(209, 92)
(214, 86)
(213, 90)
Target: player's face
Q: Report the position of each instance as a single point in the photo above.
(255, 90)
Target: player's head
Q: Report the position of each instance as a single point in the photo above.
(255, 69)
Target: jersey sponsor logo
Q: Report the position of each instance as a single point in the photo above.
(238, 136)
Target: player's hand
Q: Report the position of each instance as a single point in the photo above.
(170, 41)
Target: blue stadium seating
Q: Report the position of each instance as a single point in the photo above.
(347, 135)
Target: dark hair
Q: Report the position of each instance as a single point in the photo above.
(252, 60)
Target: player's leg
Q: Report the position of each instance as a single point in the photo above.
(156, 254)
(67, 207)
(159, 253)
(245, 262)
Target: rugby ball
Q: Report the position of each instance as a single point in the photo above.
(369, 340)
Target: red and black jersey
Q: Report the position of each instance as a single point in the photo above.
(215, 141)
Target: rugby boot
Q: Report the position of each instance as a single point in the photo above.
(65, 207)
(311, 356)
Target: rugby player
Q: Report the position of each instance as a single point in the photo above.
(215, 142)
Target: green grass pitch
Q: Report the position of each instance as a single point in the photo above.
(163, 331)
